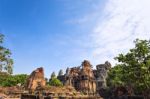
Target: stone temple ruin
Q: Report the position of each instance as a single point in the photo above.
(36, 79)
(84, 79)
(101, 74)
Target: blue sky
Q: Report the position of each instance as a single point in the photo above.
(57, 34)
(41, 33)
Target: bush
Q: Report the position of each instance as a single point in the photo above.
(133, 68)
(55, 82)
(12, 80)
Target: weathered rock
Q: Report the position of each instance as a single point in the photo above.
(36, 78)
(81, 78)
(88, 83)
(101, 74)
(84, 78)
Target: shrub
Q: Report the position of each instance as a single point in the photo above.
(12, 80)
(55, 82)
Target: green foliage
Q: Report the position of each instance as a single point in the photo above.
(134, 67)
(6, 63)
(3, 77)
(55, 82)
(115, 76)
(12, 80)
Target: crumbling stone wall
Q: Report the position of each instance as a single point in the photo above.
(36, 78)
(87, 83)
(101, 74)
(81, 78)
(84, 78)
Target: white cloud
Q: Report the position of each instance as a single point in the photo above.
(124, 21)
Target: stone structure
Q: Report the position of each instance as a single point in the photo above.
(101, 74)
(36, 79)
(88, 83)
(84, 78)
(81, 78)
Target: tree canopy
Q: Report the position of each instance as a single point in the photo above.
(6, 62)
(12, 80)
(55, 82)
(133, 68)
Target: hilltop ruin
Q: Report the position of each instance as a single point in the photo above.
(83, 78)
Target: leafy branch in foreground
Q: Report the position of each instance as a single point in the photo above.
(133, 68)
(6, 63)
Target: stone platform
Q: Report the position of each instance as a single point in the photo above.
(58, 97)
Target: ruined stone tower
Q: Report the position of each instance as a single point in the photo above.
(36, 78)
(84, 79)
(87, 83)
(81, 78)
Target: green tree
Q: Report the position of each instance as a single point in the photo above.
(13, 80)
(20, 78)
(134, 67)
(115, 76)
(55, 82)
(6, 63)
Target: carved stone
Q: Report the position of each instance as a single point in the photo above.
(101, 74)
(36, 78)
(81, 78)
